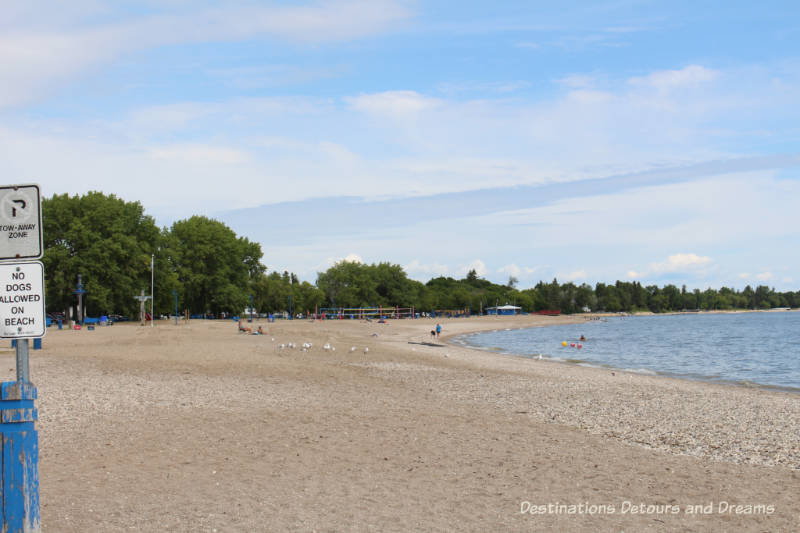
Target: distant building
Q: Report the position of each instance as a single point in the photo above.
(503, 310)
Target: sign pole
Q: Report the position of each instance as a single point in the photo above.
(22, 316)
(80, 301)
(152, 288)
(23, 370)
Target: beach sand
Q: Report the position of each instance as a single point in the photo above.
(196, 428)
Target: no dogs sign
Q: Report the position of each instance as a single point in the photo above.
(22, 312)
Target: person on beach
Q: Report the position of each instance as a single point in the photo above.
(438, 330)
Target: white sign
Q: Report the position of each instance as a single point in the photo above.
(20, 222)
(22, 300)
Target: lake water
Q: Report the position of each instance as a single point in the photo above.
(745, 348)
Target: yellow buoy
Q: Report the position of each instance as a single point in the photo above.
(564, 344)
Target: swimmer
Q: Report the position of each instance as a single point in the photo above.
(583, 338)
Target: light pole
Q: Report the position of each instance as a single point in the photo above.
(152, 287)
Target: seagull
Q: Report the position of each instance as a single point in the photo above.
(366, 349)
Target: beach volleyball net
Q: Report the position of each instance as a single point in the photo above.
(364, 313)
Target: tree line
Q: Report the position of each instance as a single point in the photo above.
(210, 269)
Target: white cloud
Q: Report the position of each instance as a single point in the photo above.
(441, 145)
(590, 97)
(199, 154)
(512, 270)
(395, 104)
(761, 276)
(35, 59)
(516, 271)
(477, 265)
(353, 258)
(680, 263)
(500, 87)
(416, 268)
(577, 81)
(575, 275)
(690, 76)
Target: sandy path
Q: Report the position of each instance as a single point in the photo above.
(195, 428)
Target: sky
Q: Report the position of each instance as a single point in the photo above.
(584, 141)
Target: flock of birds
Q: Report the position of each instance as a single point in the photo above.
(306, 346)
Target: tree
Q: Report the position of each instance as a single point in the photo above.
(106, 240)
(353, 284)
(213, 266)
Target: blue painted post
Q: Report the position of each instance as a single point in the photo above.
(37, 344)
(19, 504)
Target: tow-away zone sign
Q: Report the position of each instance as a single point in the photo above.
(22, 311)
(20, 222)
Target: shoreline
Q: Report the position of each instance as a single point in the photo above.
(601, 366)
(748, 385)
(597, 382)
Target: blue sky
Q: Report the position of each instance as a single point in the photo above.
(588, 141)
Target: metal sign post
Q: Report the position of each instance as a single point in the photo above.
(152, 288)
(80, 291)
(22, 316)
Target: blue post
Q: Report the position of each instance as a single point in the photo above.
(19, 504)
(37, 344)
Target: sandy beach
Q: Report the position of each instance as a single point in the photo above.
(198, 428)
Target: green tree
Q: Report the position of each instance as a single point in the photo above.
(213, 266)
(106, 240)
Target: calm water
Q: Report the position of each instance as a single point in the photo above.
(748, 348)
